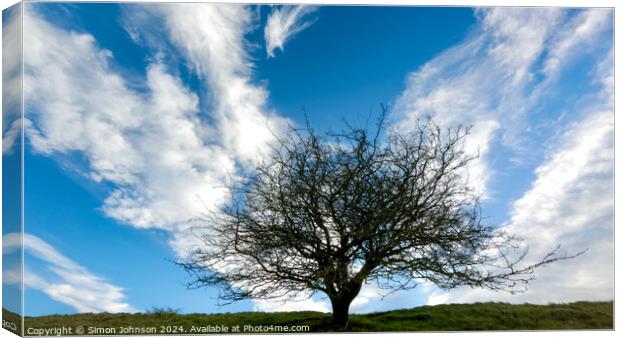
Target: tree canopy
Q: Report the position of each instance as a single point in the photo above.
(330, 212)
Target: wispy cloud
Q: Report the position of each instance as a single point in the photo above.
(218, 54)
(297, 302)
(497, 80)
(211, 38)
(580, 32)
(283, 23)
(11, 78)
(570, 202)
(148, 144)
(481, 82)
(497, 77)
(167, 159)
(64, 281)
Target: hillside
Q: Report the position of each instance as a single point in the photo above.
(454, 317)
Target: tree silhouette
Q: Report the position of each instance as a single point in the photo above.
(328, 213)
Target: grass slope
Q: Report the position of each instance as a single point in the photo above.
(11, 321)
(453, 317)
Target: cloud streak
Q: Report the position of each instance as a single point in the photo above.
(297, 302)
(147, 144)
(169, 160)
(494, 79)
(211, 38)
(570, 202)
(283, 23)
(498, 79)
(65, 281)
(11, 78)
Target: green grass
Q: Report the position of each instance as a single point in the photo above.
(454, 317)
(11, 321)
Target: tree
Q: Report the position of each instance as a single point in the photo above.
(328, 213)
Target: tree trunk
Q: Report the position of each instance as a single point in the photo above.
(340, 311)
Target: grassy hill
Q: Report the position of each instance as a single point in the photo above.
(11, 321)
(454, 317)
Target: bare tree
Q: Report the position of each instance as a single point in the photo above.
(328, 213)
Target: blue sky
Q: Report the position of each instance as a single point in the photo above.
(135, 111)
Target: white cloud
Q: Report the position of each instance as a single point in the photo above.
(166, 162)
(65, 281)
(11, 78)
(482, 81)
(570, 202)
(148, 144)
(370, 299)
(283, 23)
(211, 36)
(581, 30)
(299, 302)
(491, 80)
